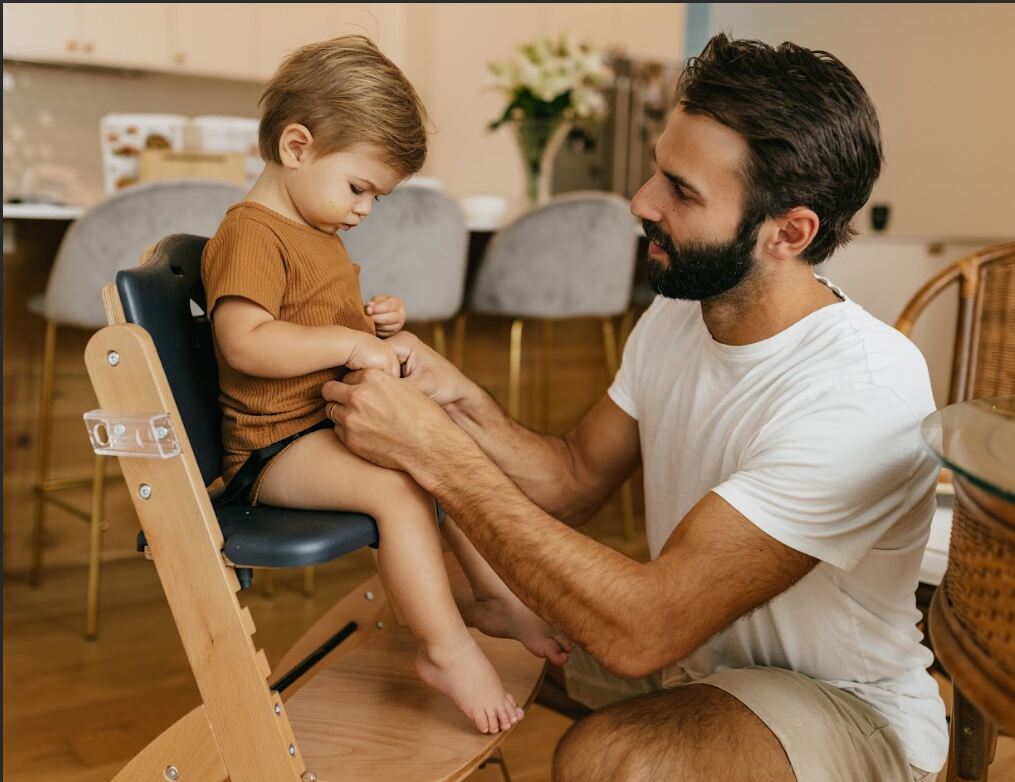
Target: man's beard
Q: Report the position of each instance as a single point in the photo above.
(698, 271)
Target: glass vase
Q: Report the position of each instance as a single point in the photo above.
(539, 141)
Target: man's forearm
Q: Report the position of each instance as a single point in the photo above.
(542, 465)
(597, 596)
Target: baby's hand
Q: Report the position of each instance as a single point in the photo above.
(372, 353)
(387, 313)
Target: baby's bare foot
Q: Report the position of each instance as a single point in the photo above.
(463, 673)
(505, 616)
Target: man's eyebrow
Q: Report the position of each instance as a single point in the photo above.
(677, 180)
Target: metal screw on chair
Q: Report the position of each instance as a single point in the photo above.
(369, 595)
(309, 776)
(292, 750)
(119, 430)
(379, 625)
(112, 358)
(171, 773)
(144, 491)
(278, 709)
(161, 432)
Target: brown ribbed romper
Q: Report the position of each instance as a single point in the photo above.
(300, 275)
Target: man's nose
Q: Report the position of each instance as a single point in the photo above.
(644, 205)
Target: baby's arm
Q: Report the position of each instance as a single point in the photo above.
(254, 343)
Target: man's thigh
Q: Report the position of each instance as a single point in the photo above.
(752, 723)
(693, 732)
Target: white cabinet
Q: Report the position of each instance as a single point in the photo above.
(127, 35)
(123, 34)
(39, 31)
(238, 41)
(212, 39)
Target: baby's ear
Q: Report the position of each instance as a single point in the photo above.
(294, 145)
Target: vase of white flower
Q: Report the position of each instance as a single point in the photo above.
(553, 89)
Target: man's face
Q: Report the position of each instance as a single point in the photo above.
(701, 244)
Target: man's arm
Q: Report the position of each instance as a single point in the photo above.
(635, 618)
(570, 477)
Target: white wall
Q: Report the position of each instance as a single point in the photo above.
(448, 47)
(943, 80)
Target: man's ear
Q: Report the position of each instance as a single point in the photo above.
(294, 145)
(791, 233)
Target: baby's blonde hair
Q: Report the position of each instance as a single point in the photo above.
(346, 92)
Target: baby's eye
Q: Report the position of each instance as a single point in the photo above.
(356, 190)
(377, 198)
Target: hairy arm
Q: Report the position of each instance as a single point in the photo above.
(635, 618)
(254, 343)
(571, 476)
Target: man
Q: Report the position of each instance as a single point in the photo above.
(788, 497)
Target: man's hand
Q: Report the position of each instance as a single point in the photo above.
(428, 370)
(388, 421)
(388, 315)
(368, 352)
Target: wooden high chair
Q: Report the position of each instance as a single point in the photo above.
(344, 703)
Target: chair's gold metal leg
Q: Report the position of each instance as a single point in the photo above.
(626, 493)
(544, 372)
(459, 341)
(440, 341)
(96, 527)
(515, 378)
(309, 580)
(42, 450)
(267, 577)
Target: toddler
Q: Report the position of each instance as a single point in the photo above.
(340, 127)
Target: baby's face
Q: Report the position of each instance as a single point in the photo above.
(337, 191)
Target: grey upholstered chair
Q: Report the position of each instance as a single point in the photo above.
(572, 258)
(414, 245)
(109, 237)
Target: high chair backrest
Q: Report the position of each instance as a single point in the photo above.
(165, 296)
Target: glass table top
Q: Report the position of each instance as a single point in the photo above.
(976, 439)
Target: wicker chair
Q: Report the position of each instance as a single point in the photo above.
(981, 557)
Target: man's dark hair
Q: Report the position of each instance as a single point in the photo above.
(810, 126)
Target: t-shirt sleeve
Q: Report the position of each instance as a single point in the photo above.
(624, 388)
(244, 259)
(831, 480)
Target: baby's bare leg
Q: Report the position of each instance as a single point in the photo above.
(317, 472)
(497, 610)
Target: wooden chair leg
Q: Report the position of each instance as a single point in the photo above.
(544, 372)
(440, 341)
(96, 525)
(42, 451)
(458, 357)
(309, 580)
(515, 377)
(973, 740)
(626, 493)
(497, 759)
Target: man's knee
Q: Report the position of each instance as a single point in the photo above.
(584, 753)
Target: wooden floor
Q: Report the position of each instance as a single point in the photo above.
(76, 711)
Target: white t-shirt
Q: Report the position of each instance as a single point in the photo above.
(813, 435)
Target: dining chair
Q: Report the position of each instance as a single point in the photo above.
(983, 366)
(108, 237)
(571, 258)
(414, 244)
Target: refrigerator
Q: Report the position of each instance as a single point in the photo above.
(620, 158)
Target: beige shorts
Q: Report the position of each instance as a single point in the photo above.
(828, 734)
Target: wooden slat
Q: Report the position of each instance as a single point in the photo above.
(186, 543)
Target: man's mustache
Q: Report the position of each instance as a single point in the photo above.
(656, 234)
